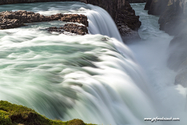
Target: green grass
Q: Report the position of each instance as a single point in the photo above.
(12, 114)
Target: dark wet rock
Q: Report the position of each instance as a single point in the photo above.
(136, 1)
(157, 7)
(172, 17)
(72, 28)
(121, 12)
(75, 18)
(173, 20)
(127, 17)
(128, 34)
(148, 4)
(111, 6)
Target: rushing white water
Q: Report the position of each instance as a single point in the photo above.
(151, 53)
(92, 77)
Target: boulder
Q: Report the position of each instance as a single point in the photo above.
(72, 28)
(148, 4)
(75, 18)
(157, 7)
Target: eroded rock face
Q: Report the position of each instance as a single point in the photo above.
(9, 19)
(75, 18)
(126, 17)
(72, 28)
(148, 4)
(173, 20)
(15, 19)
(156, 7)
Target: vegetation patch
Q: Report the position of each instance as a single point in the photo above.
(12, 114)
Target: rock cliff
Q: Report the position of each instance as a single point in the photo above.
(156, 7)
(173, 20)
(171, 13)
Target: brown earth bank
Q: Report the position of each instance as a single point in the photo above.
(118, 9)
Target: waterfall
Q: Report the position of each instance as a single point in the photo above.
(100, 22)
(92, 77)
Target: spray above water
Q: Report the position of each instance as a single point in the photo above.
(92, 77)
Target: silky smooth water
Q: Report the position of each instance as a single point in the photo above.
(91, 77)
(152, 54)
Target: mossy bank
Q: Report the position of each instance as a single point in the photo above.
(12, 114)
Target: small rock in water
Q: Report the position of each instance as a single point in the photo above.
(72, 28)
(75, 18)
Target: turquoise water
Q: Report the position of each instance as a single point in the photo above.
(91, 77)
(94, 77)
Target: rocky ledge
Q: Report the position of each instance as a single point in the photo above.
(11, 114)
(72, 28)
(75, 18)
(9, 19)
(112, 7)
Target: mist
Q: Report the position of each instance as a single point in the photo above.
(163, 58)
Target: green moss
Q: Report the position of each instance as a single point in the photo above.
(11, 114)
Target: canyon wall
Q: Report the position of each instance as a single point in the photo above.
(173, 20)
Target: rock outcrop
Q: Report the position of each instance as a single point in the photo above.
(127, 23)
(15, 19)
(121, 12)
(71, 28)
(171, 12)
(75, 18)
(9, 19)
(156, 7)
(148, 4)
(173, 20)
(111, 6)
